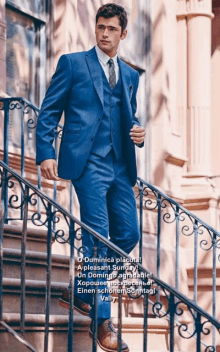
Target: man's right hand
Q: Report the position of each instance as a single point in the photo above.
(49, 169)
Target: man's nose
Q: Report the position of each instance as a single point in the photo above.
(105, 32)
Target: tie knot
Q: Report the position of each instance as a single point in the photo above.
(111, 62)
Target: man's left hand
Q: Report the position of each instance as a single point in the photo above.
(137, 134)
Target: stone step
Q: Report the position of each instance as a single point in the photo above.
(35, 265)
(36, 238)
(130, 307)
(35, 327)
(34, 298)
(132, 333)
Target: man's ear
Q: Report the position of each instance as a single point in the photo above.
(124, 34)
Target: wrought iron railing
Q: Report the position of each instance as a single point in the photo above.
(176, 223)
(174, 305)
(27, 123)
(170, 217)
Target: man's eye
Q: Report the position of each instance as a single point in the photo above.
(112, 29)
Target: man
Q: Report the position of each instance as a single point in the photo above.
(97, 92)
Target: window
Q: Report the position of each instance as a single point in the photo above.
(25, 50)
(25, 58)
(35, 7)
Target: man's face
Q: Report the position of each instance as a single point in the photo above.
(108, 34)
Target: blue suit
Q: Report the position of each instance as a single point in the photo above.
(77, 89)
(96, 151)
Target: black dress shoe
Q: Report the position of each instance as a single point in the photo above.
(107, 337)
(81, 307)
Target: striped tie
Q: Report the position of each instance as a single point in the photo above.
(112, 75)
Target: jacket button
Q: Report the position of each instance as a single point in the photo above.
(92, 138)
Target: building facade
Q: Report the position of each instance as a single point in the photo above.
(174, 45)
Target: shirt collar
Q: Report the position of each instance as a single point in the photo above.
(103, 57)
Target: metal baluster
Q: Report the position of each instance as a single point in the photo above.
(71, 198)
(48, 276)
(6, 131)
(145, 326)
(1, 251)
(195, 228)
(120, 311)
(38, 177)
(22, 150)
(71, 285)
(158, 241)
(23, 258)
(172, 312)
(214, 287)
(95, 320)
(6, 157)
(39, 186)
(55, 182)
(198, 332)
(54, 198)
(141, 221)
(22, 138)
(177, 249)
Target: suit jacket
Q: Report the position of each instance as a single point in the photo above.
(77, 89)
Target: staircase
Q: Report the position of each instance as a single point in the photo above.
(36, 263)
(165, 321)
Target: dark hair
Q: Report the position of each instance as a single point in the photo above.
(111, 10)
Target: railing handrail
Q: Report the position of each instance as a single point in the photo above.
(25, 101)
(18, 337)
(21, 99)
(171, 200)
(113, 247)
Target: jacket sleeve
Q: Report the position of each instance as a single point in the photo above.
(135, 120)
(52, 108)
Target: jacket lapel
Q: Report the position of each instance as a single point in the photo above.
(127, 86)
(96, 75)
(95, 72)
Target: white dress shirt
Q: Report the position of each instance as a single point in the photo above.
(103, 59)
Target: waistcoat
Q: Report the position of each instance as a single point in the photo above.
(108, 135)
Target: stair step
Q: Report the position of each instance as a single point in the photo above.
(36, 238)
(35, 296)
(132, 333)
(35, 327)
(35, 265)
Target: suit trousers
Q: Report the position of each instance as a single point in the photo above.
(108, 206)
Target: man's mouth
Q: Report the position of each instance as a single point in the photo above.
(104, 42)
